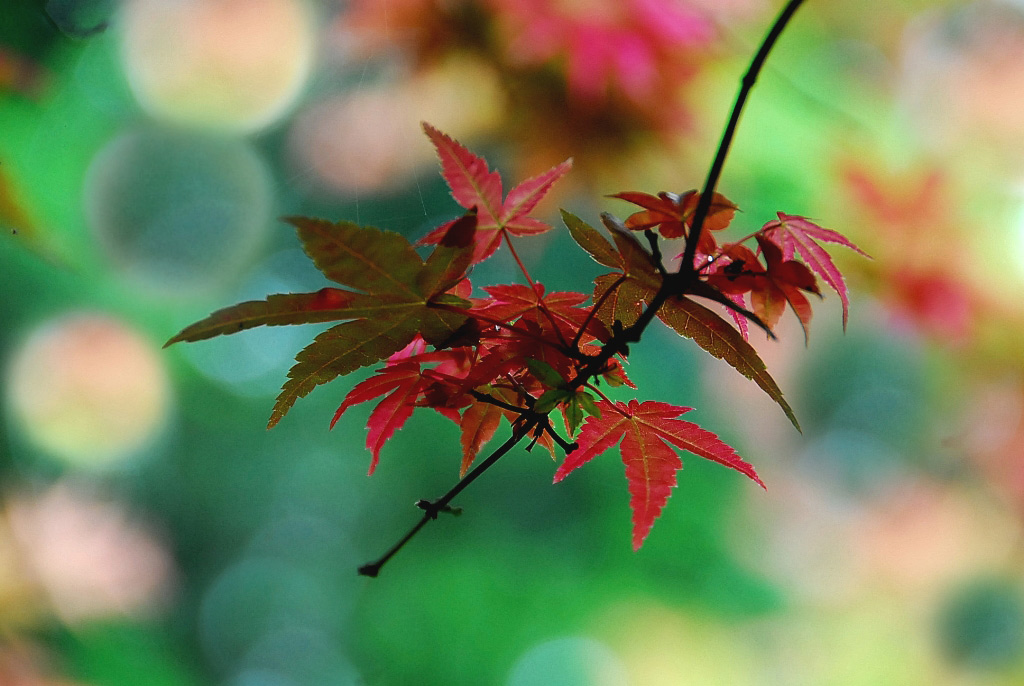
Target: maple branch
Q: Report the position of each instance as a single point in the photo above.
(622, 338)
(427, 505)
(652, 240)
(432, 509)
(485, 398)
(747, 83)
(568, 447)
(515, 256)
(528, 413)
(676, 284)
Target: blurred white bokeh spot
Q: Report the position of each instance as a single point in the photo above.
(224, 64)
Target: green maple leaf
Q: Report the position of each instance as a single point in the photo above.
(399, 295)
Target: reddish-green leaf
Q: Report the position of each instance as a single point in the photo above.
(591, 240)
(647, 431)
(479, 423)
(403, 297)
(718, 337)
(326, 305)
(363, 257)
(447, 264)
(624, 303)
(634, 259)
(338, 351)
(636, 283)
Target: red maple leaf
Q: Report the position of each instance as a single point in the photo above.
(770, 287)
(560, 308)
(796, 234)
(646, 430)
(672, 215)
(473, 184)
(400, 384)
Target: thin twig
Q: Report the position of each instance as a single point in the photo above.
(747, 83)
(568, 447)
(433, 508)
(652, 240)
(485, 398)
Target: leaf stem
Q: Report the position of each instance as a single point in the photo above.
(599, 392)
(515, 256)
(747, 83)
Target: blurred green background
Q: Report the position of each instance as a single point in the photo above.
(151, 530)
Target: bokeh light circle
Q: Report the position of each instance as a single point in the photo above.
(223, 64)
(569, 661)
(88, 389)
(369, 139)
(256, 598)
(178, 211)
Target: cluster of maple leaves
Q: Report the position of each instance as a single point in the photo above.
(519, 352)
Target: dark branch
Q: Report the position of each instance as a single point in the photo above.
(563, 444)
(749, 79)
(485, 398)
(596, 308)
(432, 508)
(652, 240)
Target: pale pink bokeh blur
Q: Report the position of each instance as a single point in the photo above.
(88, 555)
